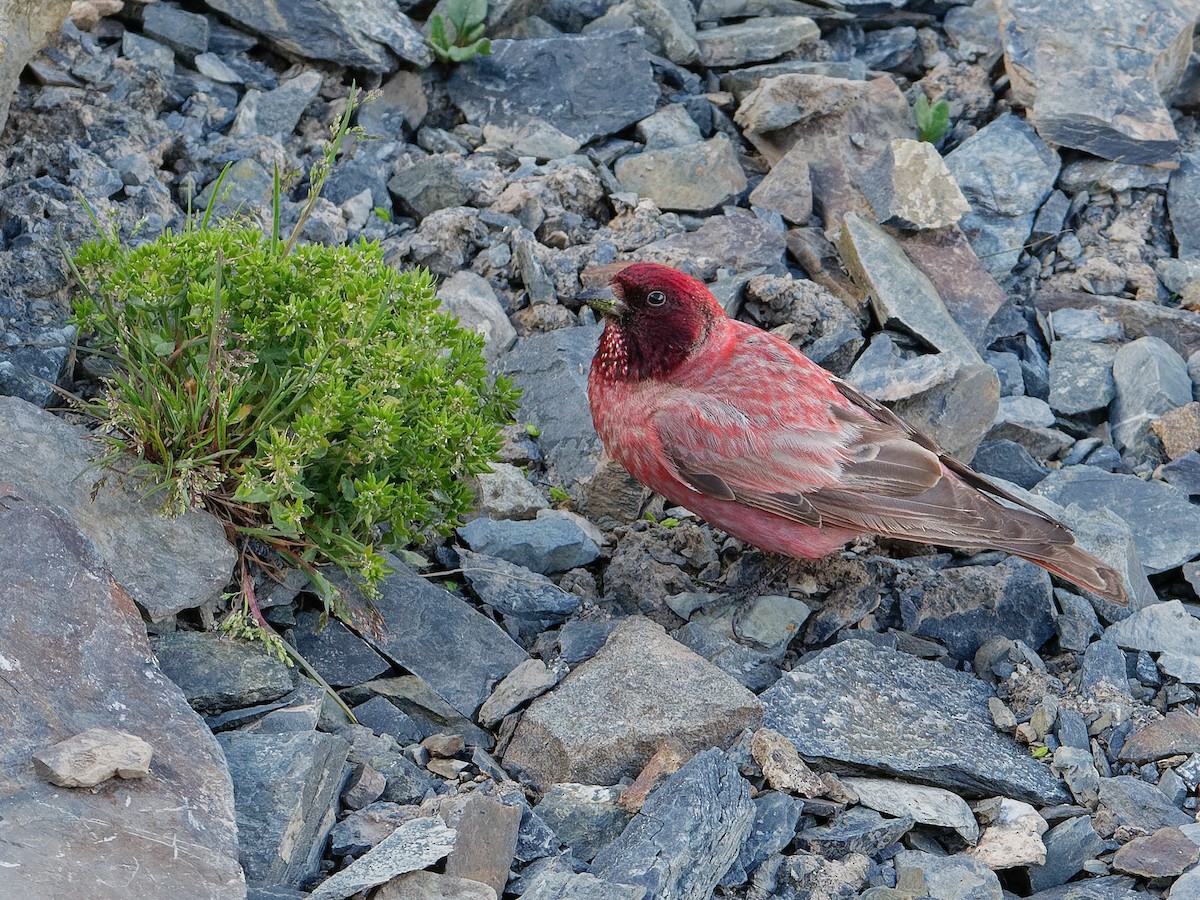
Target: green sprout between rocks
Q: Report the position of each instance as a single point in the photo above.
(313, 398)
(466, 18)
(933, 119)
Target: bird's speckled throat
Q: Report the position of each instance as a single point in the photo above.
(638, 350)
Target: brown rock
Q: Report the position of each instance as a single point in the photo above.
(609, 716)
(93, 756)
(1179, 430)
(786, 188)
(668, 760)
(1178, 732)
(1164, 854)
(486, 842)
(782, 766)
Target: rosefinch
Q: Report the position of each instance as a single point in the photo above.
(738, 426)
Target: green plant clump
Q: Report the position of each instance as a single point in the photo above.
(466, 18)
(933, 119)
(313, 398)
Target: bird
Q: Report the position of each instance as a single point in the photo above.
(741, 428)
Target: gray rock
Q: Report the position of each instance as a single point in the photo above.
(776, 816)
(94, 756)
(583, 85)
(1177, 533)
(418, 700)
(1006, 172)
(857, 830)
(430, 183)
(958, 414)
(210, 65)
(889, 706)
(32, 364)
(925, 805)
(148, 54)
(1078, 71)
(73, 645)
(414, 845)
(471, 299)
(715, 642)
(505, 493)
(367, 34)
(28, 25)
(579, 886)
(217, 673)
(383, 717)
(612, 713)
(486, 841)
(1103, 661)
(285, 787)
(671, 126)
(585, 817)
(1084, 325)
(1178, 327)
(1150, 379)
(553, 542)
(754, 40)
(245, 188)
(688, 833)
(911, 188)
(166, 564)
(1069, 845)
(1076, 624)
(276, 112)
(1112, 539)
(1049, 224)
(1131, 802)
(425, 885)
(1182, 192)
(901, 295)
(456, 650)
(551, 370)
(965, 607)
(670, 31)
(733, 241)
(528, 680)
(1168, 630)
(404, 781)
(1009, 461)
(691, 178)
(341, 656)
(1078, 770)
(957, 877)
(1081, 376)
(786, 189)
(858, 122)
(186, 33)
(516, 591)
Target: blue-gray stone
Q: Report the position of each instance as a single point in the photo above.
(1175, 537)
(1006, 172)
(383, 717)
(776, 816)
(1150, 379)
(553, 542)
(456, 650)
(285, 788)
(337, 653)
(515, 590)
(586, 86)
(216, 673)
(1009, 461)
(1069, 845)
(688, 833)
(879, 711)
(1081, 378)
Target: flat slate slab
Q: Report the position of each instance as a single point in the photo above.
(584, 85)
(71, 643)
(879, 711)
(609, 716)
(459, 652)
(166, 564)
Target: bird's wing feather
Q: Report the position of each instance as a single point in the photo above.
(834, 458)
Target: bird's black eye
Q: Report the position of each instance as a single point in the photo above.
(656, 298)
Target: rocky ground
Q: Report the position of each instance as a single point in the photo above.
(597, 697)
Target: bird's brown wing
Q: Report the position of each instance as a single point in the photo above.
(861, 468)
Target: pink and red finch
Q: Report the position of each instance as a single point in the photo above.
(739, 427)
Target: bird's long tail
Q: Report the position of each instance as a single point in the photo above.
(1079, 567)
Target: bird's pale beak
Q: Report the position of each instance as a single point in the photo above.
(603, 300)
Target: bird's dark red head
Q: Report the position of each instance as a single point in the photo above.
(661, 316)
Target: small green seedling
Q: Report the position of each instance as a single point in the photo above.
(466, 18)
(558, 495)
(933, 119)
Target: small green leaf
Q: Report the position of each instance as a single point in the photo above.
(437, 32)
(475, 11)
(669, 522)
(532, 430)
